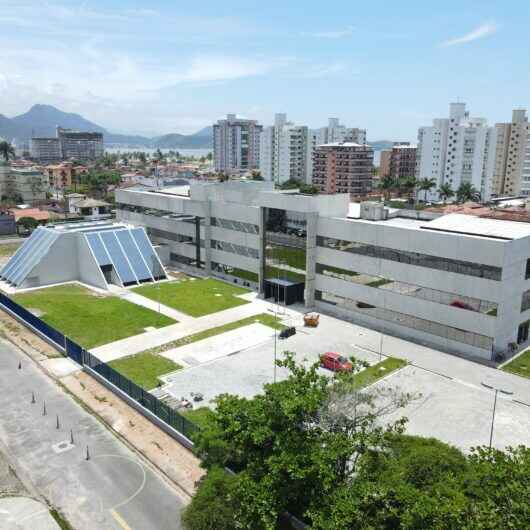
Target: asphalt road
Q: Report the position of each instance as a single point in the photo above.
(113, 490)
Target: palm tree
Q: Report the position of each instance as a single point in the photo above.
(467, 192)
(445, 192)
(6, 150)
(408, 184)
(426, 185)
(386, 185)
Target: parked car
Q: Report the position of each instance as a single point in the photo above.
(335, 362)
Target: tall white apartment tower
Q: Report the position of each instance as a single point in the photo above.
(336, 132)
(457, 149)
(236, 144)
(285, 151)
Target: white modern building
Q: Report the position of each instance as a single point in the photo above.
(95, 253)
(460, 283)
(236, 144)
(457, 149)
(285, 151)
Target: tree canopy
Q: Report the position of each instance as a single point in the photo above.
(316, 447)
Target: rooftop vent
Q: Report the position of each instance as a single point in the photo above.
(373, 211)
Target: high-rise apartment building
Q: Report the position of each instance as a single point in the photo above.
(343, 167)
(236, 143)
(285, 151)
(68, 144)
(399, 161)
(336, 132)
(511, 152)
(80, 145)
(457, 149)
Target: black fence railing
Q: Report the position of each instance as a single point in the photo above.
(167, 415)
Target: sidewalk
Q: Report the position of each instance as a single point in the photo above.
(157, 337)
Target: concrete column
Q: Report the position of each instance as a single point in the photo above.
(262, 244)
(311, 260)
(207, 238)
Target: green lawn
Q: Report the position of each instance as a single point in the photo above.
(90, 319)
(376, 371)
(263, 318)
(8, 249)
(520, 365)
(195, 297)
(144, 369)
(200, 416)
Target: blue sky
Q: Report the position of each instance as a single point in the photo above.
(167, 66)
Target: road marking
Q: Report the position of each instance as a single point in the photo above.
(144, 478)
(120, 520)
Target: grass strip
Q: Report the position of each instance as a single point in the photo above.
(201, 416)
(60, 520)
(144, 368)
(263, 318)
(520, 365)
(375, 372)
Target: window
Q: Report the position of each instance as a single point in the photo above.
(413, 258)
(409, 321)
(408, 289)
(525, 301)
(527, 272)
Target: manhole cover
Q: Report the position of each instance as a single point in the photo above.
(62, 447)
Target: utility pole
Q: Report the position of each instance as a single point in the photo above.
(496, 390)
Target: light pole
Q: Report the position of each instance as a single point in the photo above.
(496, 390)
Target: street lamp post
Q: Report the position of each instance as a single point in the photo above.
(496, 390)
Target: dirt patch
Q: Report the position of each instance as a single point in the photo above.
(179, 464)
(25, 339)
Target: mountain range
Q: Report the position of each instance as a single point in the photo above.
(41, 120)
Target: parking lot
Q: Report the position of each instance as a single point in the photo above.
(451, 404)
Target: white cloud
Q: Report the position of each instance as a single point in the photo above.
(488, 28)
(334, 34)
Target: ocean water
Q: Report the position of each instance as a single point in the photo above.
(147, 150)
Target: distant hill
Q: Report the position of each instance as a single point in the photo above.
(42, 120)
(379, 145)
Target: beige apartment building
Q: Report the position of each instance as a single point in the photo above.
(511, 151)
(399, 161)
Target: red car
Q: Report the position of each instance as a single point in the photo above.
(335, 362)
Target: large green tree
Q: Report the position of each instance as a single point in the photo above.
(292, 445)
(317, 448)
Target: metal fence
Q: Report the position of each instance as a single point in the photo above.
(168, 416)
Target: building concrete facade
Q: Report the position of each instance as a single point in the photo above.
(512, 144)
(285, 151)
(68, 144)
(458, 283)
(236, 143)
(343, 167)
(24, 185)
(455, 150)
(336, 132)
(399, 161)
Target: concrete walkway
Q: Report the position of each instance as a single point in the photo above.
(220, 345)
(22, 513)
(151, 339)
(138, 299)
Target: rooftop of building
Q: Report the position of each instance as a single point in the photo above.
(90, 203)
